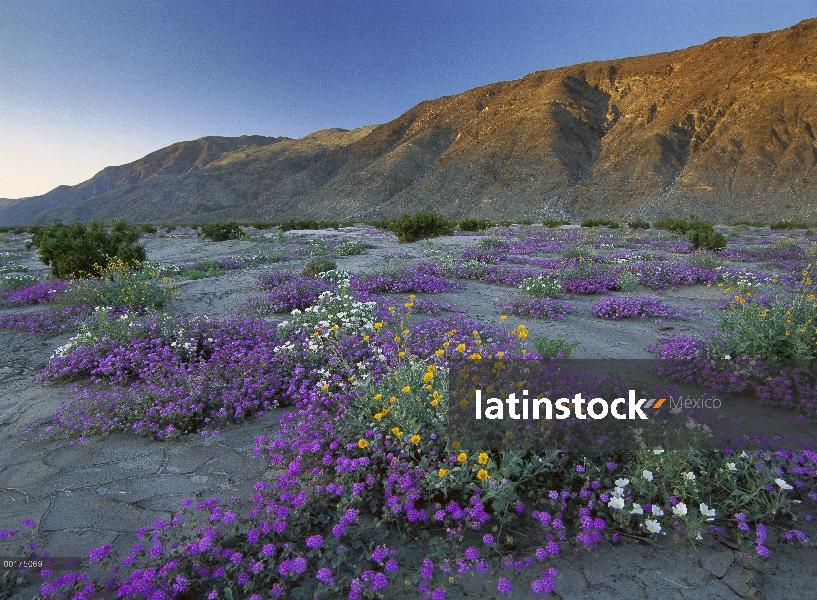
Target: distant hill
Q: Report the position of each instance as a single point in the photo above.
(725, 130)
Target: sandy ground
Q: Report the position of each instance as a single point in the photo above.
(101, 492)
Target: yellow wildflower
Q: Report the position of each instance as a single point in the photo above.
(361, 443)
(415, 439)
(482, 474)
(483, 458)
(442, 472)
(462, 457)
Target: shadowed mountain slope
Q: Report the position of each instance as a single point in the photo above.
(725, 130)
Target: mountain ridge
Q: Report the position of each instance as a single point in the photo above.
(724, 129)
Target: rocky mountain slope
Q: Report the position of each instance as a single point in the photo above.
(725, 130)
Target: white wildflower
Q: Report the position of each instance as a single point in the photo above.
(652, 526)
(783, 485)
(616, 503)
(647, 475)
(680, 509)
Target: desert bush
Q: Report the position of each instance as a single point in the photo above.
(580, 251)
(551, 223)
(421, 225)
(74, 251)
(554, 348)
(705, 260)
(600, 223)
(309, 224)
(779, 225)
(318, 265)
(504, 223)
(221, 232)
(121, 284)
(349, 248)
(638, 224)
(780, 328)
(475, 224)
(680, 226)
(526, 222)
(704, 237)
(628, 281)
(541, 286)
(145, 228)
(16, 281)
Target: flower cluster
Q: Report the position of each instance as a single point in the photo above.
(618, 307)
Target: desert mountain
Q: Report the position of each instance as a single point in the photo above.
(725, 130)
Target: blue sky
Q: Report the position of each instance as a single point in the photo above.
(87, 84)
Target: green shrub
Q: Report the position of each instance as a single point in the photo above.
(781, 329)
(310, 224)
(638, 224)
(580, 251)
(262, 226)
(221, 232)
(551, 223)
(540, 286)
(704, 237)
(628, 281)
(16, 281)
(475, 224)
(349, 248)
(704, 260)
(123, 284)
(526, 222)
(789, 225)
(551, 348)
(505, 223)
(74, 251)
(421, 225)
(600, 223)
(145, 228)
(318, 265)
(679, 226)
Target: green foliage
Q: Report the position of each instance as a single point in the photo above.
(475, 224)
(680, 226)
(600, 223)
(781, 329)
(551, 223)
(552, 348)
(318, 265)
(421, 225)
(540, 286)
(705, 260)
(505, 223)
(789, 225)
(638, 224)
(580, 251)
(16, 281)
(526, 222)
(221, 232)
(312, 224)
(628, 281)
(121, 284)
(146, 228)
(704, 237)
(74, 251)
(349, 248)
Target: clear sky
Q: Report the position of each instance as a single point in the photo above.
(86, 84)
